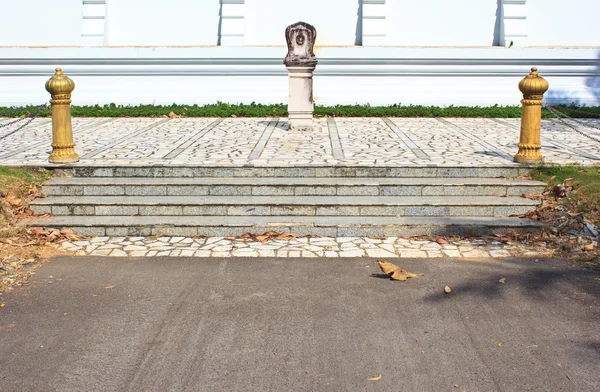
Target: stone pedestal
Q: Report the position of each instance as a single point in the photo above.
(300, 98)
(300, 63)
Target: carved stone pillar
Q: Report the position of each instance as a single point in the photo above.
(300, 63)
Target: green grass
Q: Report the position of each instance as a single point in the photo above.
(585, 182)
(221, 109)
(11, 177)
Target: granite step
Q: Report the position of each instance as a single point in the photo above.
(419, 171)
(341, 226)
(341, 186)
(284, 205)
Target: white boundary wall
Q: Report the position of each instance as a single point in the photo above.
(415, 52)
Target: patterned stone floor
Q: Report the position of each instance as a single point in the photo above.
(268, 141)
(390, 247)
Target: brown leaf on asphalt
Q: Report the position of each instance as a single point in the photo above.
(503, 280)
(395, 272)
(109, 287)
(375, 378)
(447, 290)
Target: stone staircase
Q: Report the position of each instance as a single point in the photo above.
(326, 200)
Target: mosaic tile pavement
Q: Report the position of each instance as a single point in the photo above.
(384, 247)
(268, 141)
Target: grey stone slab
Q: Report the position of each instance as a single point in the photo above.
(134, 171)
(117, 231)
(457, 172)
(146, 191)
(472, 191)
(407, 190)
(248, 210)
(61, 210)
(306, 172)
(93, 171)
(371, 172)
(338, 211)
(320, 231)
(89, 231)
(140, 231)
(204, 210)
(65, 190)
(104, 190)
(335, 172)
(230, 190)
(511, 210)
(116, 210)
(187, 190)
(522, 190)
(272, 190)
(293, 210)
(470, 211)
(167, 171)
(491, 171)
(412, 172)
(173, 231)
(382, 211)
(83, 210)
(161, 210)
(357, 190)
(315, 190)
(255, 172)
(215, 172)
(41, 209)
(262, 142)
(360, 231)
(426, 211)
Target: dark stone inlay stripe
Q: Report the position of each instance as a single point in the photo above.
(406, 139)
(334, 136)
(181, 148)
(262, 142)
(494, 150)
(128, 136)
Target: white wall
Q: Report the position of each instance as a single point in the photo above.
(335, 20)
(40, 23)
(162, 23)
(563, 23)
(377, 76)
(440, 22)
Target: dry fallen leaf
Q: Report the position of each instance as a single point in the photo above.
(503, 280)
(589, 247)
(455, 385)
(109, 287)
(375, 378)
(395, 272)
(500, 344)
(441, 240)
(447, 290)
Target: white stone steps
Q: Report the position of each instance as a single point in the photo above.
(340, 226)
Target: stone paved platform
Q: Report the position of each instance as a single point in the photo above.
(268, 141)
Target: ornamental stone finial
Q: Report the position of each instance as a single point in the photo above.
(300, 39)
(533, 86)
(60, 84)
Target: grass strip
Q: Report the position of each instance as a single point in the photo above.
(221, 109)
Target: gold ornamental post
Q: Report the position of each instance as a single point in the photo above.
(63, 148)
(533, 87)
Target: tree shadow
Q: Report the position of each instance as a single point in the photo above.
(563, 97)
(539, 283)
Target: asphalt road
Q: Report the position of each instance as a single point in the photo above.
(164, 324)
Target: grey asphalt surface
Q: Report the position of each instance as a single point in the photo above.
(301, 325)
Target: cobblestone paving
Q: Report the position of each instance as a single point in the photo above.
(392, 247)
(266, 141)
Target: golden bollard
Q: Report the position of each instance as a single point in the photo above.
(533, 87)
(63, 147)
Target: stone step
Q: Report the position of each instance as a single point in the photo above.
(284, 205)
(418, 171)
(384, 186)
(342, 226)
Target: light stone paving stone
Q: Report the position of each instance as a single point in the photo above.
(364, 141)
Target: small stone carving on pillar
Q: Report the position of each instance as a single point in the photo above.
(300, 63)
